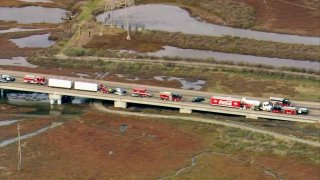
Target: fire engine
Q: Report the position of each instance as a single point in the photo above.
(140, 92)
(169, 96)
(280, 101)
(32, 79)
(225, 101)
(290, 110)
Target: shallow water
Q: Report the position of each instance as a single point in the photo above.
(16, 61)
(189, 85)
(34, 41)
(32, 14)
(160, 17)
(236, 58)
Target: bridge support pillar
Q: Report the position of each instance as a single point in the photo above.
(55, 98)
(185, 111)
(2, 92)
(120, 104)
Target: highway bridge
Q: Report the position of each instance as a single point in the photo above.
(186, 106)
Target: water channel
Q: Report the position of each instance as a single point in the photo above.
(34, 41)
(16, 61)
(32, 14)
(170, 51)
(175, 19)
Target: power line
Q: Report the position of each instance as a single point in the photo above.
(19, 150)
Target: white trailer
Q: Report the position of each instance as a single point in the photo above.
(251, 104)
(60, 83)
(86, 86)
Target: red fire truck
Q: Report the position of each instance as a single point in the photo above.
(140, 92)
(32, 79)
(225, 101)
(169, 96)
(290, 110)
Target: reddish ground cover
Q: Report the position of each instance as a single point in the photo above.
(286, 18)
(93, 148)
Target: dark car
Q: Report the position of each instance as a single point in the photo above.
(198, 99)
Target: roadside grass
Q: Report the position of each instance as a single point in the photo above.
(220, 80)
(86, 14)
(151, 41)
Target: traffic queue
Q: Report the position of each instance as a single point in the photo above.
(274, 104)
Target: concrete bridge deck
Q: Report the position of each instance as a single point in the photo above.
(121, 101)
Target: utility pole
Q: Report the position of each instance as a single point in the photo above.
(19, 150)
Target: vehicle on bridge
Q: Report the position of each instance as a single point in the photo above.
(280, 101)
(169, 96)
(276, 109)
(7, 77)
(86, 86)
(60, 83)
(198, 99)
(140, 92)
(266, 106)
(32, 79)
(120, 92)
(251, 104)
(226, 102)
(102, 88)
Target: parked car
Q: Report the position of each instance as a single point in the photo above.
(198, 99)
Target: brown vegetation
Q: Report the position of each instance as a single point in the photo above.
(149, 41)
(55, 3)
(287, 18)
(27, 126)
(9, 109)
(94, 148)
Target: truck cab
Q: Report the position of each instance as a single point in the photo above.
(266, 106)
